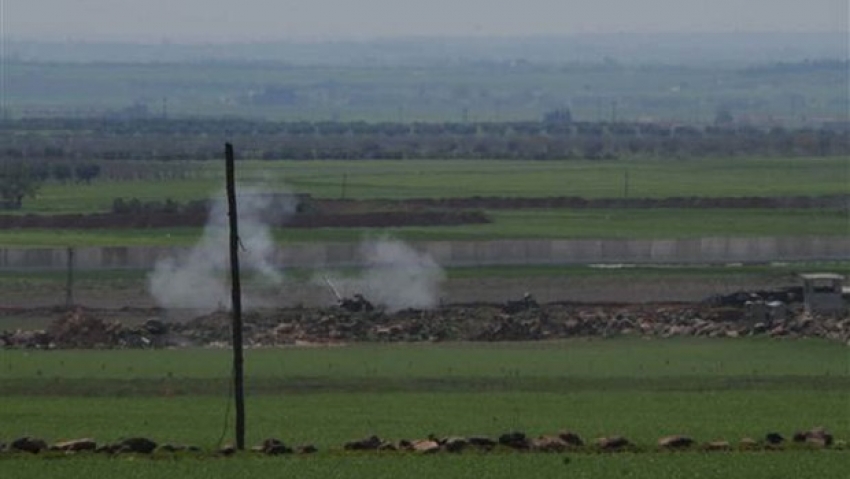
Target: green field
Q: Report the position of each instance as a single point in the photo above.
(763, 465)
(643, 389)
(464, 178)
(507, 224)
(443, 179)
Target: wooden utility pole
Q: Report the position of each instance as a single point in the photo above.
(236, 298)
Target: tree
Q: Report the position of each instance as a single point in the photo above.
(17, 182)
(62, 172)
(87, 172)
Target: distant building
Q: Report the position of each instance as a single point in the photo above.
(822, 292)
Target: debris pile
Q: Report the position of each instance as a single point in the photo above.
(82, 328)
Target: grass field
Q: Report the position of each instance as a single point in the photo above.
(643, 389)
(668, 466)
(438, 179)
(464, 178)
(506, 224)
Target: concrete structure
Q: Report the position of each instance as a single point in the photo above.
(714, 250)
(822, 293)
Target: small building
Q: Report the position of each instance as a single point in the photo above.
(822, 292)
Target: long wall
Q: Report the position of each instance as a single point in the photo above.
(473, 253)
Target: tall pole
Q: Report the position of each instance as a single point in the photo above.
(236, 297)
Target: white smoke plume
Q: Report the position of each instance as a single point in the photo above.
(396, 276)
(199, 279)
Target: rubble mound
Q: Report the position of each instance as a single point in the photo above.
(82, 328)
(77, 329)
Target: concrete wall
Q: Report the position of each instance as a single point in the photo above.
(474, 253)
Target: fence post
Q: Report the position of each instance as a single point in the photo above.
(69, 280)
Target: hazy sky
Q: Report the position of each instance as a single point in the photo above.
(245, 20)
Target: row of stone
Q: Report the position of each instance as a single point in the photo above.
(566, 441)
(139, 445)
(561, 442)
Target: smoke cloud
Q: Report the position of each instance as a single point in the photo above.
(199, 279)
(396, 276)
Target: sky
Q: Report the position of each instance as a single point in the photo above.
(221, 21)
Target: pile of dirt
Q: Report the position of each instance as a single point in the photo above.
(81, 328)
(78, 330)
(460, 322)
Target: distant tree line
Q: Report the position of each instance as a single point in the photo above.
(22, 179)
(75, 150)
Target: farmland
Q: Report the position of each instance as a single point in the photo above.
(399, 180)
(326, 396)
(747, 381)
(719, 177)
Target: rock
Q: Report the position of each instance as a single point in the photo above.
(140, 445)
(387, 446)
(514, 440)
(455, 444)
(759, 328)
(778, 331)
(571, 438)
(748, 443)
(717, 446)
(677, 441)
(28, 444)
(181, 448)
(404, 445)
(227, 450)
(306, 449)
(481, 441)
(106, 449)
(75, 445)
(774, 438)
(549, 444)
(819, 437)
(274, 447)
(370, 443)
(426, 446)
(612, 443)
(155, 327)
